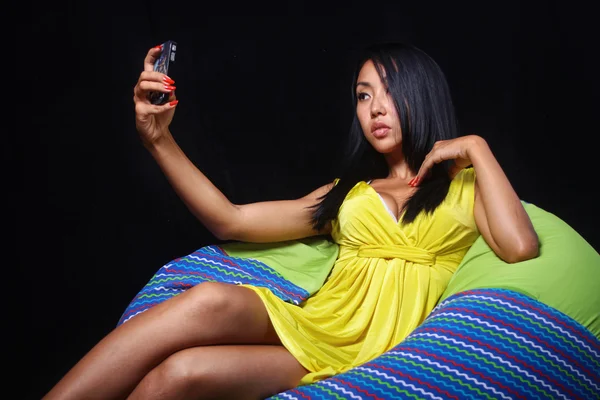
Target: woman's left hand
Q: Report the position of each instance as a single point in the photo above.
(453, 149)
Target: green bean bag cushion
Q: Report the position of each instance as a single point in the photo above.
(565, 276)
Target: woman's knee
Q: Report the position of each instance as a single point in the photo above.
(222, 372)
(221, 301)
(172, 378)
(222, 313)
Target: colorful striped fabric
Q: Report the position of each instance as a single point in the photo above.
(479, 344)
(210, 264)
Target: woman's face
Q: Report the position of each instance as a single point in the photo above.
(376, 111)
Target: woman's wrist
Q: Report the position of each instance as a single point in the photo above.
(162, 141)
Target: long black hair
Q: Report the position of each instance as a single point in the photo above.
(423, 103)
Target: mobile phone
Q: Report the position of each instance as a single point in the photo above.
(162, 63)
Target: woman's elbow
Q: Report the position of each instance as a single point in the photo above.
(226, 227)
(230, 231)
(222, 234)
(526, 249)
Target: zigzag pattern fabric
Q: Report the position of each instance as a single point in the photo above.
(210, 264)
(479, 344)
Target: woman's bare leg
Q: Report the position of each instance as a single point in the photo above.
(207, 314)
(222, 372)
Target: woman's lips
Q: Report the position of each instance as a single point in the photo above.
(381, 132)
(379, 129)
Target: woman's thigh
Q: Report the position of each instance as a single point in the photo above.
(222, 372)
(207, 314)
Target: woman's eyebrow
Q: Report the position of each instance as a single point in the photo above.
(364, 84)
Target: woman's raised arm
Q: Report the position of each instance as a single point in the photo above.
(268, 221)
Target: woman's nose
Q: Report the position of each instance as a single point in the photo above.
(378, 105)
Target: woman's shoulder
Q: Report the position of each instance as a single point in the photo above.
(461, 196)
(463, 182)
(356, 190)
(465, 175)
(357, 184)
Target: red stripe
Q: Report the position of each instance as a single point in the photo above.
(300, 393)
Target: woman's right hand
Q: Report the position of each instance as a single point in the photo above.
(152, 121)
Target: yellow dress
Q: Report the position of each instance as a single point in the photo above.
(386, 280)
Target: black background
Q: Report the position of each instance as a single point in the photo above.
(264, 105)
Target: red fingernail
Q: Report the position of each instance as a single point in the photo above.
(411, 182)
(157, 47)
(173, 103)
(169, 88)
(168, 80)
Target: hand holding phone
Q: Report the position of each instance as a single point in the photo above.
(162, 63)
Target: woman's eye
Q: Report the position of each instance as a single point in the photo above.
(361, 96)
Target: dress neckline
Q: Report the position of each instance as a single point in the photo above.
(383, 203)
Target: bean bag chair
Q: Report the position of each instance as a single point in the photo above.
(527, 330)
(477, 344)
(500, 331)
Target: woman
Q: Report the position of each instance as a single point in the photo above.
(404, 213)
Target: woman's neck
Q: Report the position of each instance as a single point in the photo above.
(397, 166)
